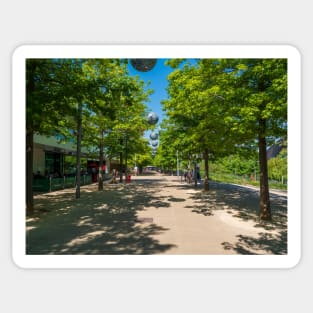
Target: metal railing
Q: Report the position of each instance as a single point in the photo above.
(57, 183)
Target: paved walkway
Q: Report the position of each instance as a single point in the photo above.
(156, 215)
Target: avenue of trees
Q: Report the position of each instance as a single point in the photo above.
(219, 108)
(92, 102)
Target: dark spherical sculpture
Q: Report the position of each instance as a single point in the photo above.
(154, 143)
(154, 135)
(152, 118)
(143, 65)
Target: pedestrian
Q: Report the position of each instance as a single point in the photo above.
(185, 175)
(189, 177)
(114, 175)
(198, 174)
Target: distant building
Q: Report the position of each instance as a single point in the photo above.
(49, 155)
(274, 150)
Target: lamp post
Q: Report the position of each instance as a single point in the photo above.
(177, 163)
(126, 156)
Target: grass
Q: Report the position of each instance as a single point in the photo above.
(243, 180)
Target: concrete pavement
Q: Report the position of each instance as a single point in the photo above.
(155, 215)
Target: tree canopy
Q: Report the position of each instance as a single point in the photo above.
(227, 106)
(215, 108)
(78, 99)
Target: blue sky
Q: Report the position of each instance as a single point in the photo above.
(158, 82)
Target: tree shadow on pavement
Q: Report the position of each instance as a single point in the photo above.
(240, 202)
(243, 204)
(174, 199)
(100, 223)
(266, 243)
(203, 203)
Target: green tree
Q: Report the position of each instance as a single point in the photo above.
(46, 105)
(196, 107)
(278, 167)
(76, 98)
(116, 107)
(256, 90)
(227, 106)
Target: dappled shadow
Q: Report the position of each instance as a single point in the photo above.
(203, 202)
(173, 199)
(110, 221)
(243, 204)
(240, 202)
(265, 243)
(145, 181)
(201, 210)
(104, 222)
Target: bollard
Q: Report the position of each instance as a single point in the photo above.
(128, 179)
(206, 183)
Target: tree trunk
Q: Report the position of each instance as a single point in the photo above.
(121, 162)
(29, 171)
(126, 155)
(100, 183)
(206, 169)
(30, 89)
(195, 174)
(265, 209)
(78, 153)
